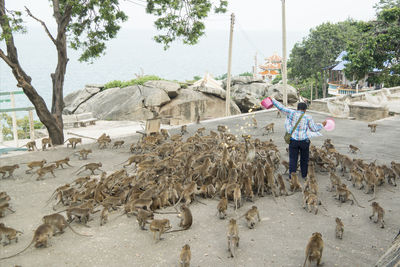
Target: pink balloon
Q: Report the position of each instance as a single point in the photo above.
(267, 103)
(330, 124)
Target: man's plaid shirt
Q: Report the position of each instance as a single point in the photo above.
(306, 128)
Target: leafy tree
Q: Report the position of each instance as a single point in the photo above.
(182, 19)
(320, 49)
(379, 48)
(88, 24)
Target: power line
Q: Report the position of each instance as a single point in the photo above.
(248, 39)
(138, 4)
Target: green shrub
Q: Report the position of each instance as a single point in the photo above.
(137, 81)
(246, 74)
(196, 78)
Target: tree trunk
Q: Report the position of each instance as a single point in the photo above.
(24, 82)
(391, 256)
(324, 84)
(316, 87)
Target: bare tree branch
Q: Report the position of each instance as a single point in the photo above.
(43, 24)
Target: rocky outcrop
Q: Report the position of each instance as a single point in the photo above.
(276, 91)
(139, 102)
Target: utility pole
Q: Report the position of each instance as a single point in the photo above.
(228, 80)
(284, 70)
(255, 66)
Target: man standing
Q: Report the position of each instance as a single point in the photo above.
(300, 139)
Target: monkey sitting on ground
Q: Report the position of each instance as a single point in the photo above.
(186, 219)
(233, 237)
(10, 169)
(339, 228)
(40, 237)
(184, 129)
(314, 249)
(222, 207)
(373, 127)
(185, 256)
(160, 226)
(73, 141)
(9, 234)
(343, 194)
(31, 146)
(380, 213)
(310, 201)
(252, 216)
(294, 183)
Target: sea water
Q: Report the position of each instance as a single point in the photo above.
(134, 52)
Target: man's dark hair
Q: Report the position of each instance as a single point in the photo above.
(301, 106)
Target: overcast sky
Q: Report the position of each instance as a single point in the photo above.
(251, 14)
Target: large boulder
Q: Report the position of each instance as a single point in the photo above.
(276, 91)
(154, 96)
(189, 104)
(114, 103)
(243, 80)
(259, 89)
(210, 90)
(171, 88)
(246, 101)
(73, 100)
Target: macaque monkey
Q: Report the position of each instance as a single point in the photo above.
(185, 256)
(237, 197)
(222, 207)
(339, 228)
(46, 142)
(254, 123)
(47, 169)
(200, 131)
(184, 129)
(380, 213)
(83, 153)
(3, 207)
(278, 114)
(10, 169)
(222, 128)
(356, 178)
(165, 133)
(233, 237)
(104, 215)
(390, 175)
(118, 144)
(160, 226)
(40, 237)
(31, 165)
(90, 166)
(335, 181)
(281, 184)
(142, 216)
(286, 165)
(252, 216)
(186, 219)
(269, 128)
(373, 127)
(73, 141)
(31, 146)
(9, 233)
(61, 162)
(190, 190)
(314, 249)
(310, 201)
(294, 183)
(81, 214)
(353, 149)
(343, 194)
(58, 221)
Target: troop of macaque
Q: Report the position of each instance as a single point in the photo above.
(169, 171)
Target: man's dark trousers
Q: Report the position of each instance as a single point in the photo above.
(294, 148)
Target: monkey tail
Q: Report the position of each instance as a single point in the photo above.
(33, 239)
(174, 231)
(78, 169)
(179, 200)
(358, 204)
(72, 229)
(307, 255)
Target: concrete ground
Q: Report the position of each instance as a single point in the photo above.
(279, 240)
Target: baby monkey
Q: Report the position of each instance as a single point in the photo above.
(160, 226)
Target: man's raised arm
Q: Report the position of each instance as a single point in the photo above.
(281, 107)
